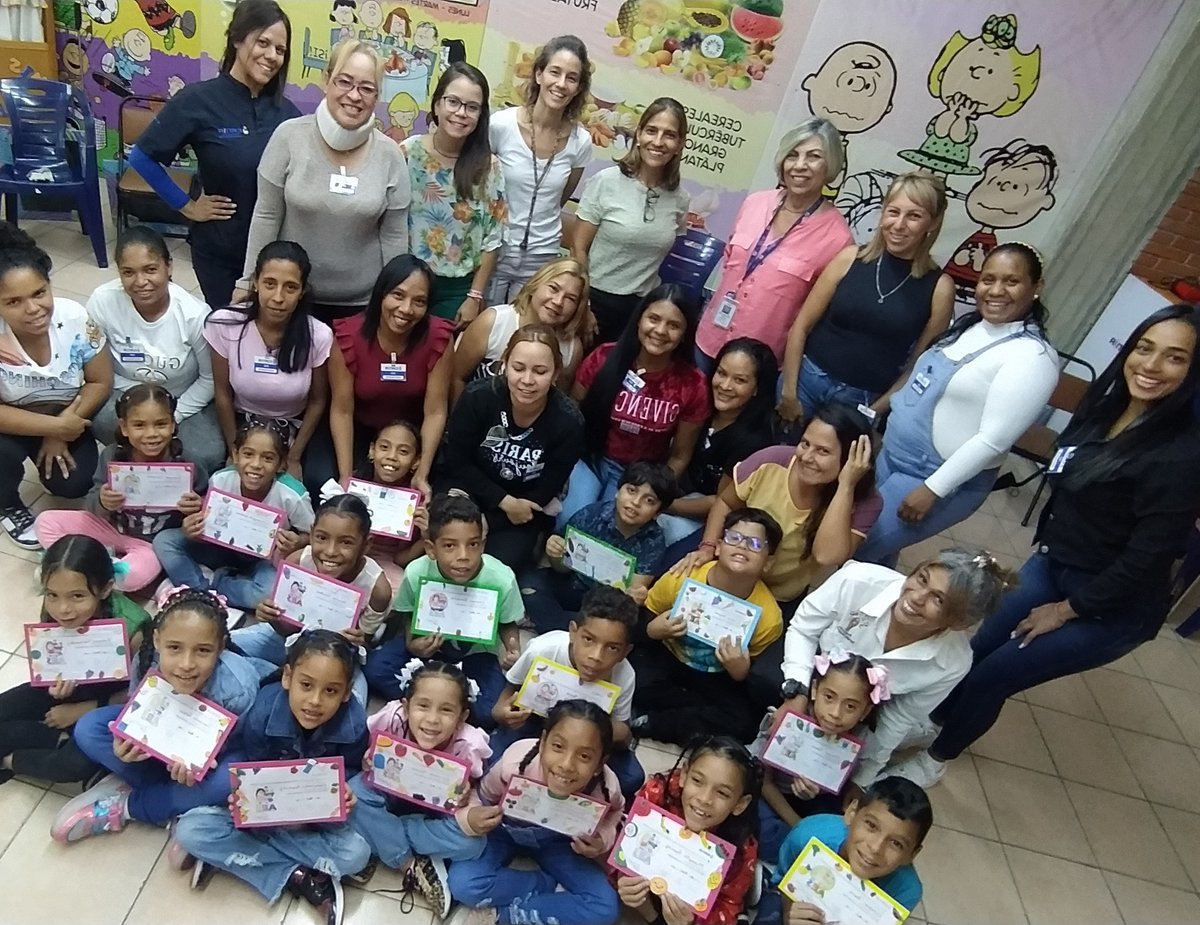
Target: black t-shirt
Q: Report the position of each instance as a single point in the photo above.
(717, 452)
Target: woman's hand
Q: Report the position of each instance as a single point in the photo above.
(189, 503)
(209, 209)
(858, 463)
(634, 891)
(916, 504)
(1042, 620)
(68, 425)
(420, 482)
(588, 846)
(467, 312)
(110, 499)
(789, 408)
(519, 510)
(193, 525)
(664, 627)
(239, 297)
(484, 819)
(693, 560)
(53, 452)
(295, 468)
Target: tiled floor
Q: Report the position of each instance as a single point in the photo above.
(1079, 806)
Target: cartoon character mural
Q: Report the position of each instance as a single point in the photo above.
(425, 44)
(402, 113)
(397, 28)
(370, 14)
(162, 18)
(128, 58)
(345, 14)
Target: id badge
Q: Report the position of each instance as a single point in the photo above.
(393, 372)
(724, 316)
(132, 356)
(342, 185)
(267, 365)
(1059, 461)
(920, 383)
(633, 382)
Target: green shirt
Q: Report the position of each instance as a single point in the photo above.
(132, 614)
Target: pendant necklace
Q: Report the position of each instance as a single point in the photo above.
(879, 289)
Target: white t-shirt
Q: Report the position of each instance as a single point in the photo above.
(556, 646)
(505, 323)
(74, 340)
(516, 161)
(285, 494)
(170, 351)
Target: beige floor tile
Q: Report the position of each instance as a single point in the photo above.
(1167, 771)
(183, 273)
(1131, 703)
(951, 859)
(391, 882)
(1127, 664)
(81, 276)
(1142, 902)
(656, 757)
(1126, 836)
(362, 907)
(13, 669)
(167, 896)
(17, 803)
(914, 555)
(1067, 695)
(1183, 829)
(1085, 751)
(1032, 811)
(959, 802)
(1015, 739)
(66, 243)
(1055, 891)
(23, 602)
(984, 531)
(1184, 707)
(1011, 508)
(1168, 661)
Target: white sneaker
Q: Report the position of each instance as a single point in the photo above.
(17, 522)
(921, 768)
(920, 736)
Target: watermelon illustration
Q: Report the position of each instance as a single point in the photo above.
(757, 20)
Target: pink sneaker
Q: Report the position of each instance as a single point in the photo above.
(177, 855)
(103, 807)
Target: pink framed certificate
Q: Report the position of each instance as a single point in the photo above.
(174, 727)
(316, 601)
(271, 793)
(241, 524)
(529, 800)
(657, 845)
(798, 746)
(393, 509)
(431, 779)
(94, 653)
(151, 486)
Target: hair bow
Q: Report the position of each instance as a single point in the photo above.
(877, 675)
(121, 568)
(165, 596)
(823, 662)
(984, 560)
(405, 674)
(472, 687)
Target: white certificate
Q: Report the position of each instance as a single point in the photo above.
(433, 779)
(96, 652)
(316, 601)
(530, 801)
(548, 683)
(801, 748)
(460, 612)
(598, 560)
(288, 792)
(712, 614)
(152, 486)
(241, 524)
(820, 877)
(174, 726)
(392, 509)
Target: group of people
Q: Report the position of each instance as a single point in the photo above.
(420, 316)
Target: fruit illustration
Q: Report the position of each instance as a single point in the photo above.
(757, 20)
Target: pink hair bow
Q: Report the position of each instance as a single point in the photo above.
(878, 676)
(168, 593)
(823, 662)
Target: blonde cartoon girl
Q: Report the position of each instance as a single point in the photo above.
(402, 113)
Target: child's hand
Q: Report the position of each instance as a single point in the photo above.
(588, 846)
(182, 773)
(556, 547)
(514, 717)
(189, 503)
(634, 891)
(354, 636)
(110, 499)
(510, 651)
(804, 914)
(676, 911)
(421, 520)
(804, 788)
(126, 751)
(350, 798)
(484, 819)
(65, 715)
(193, 525)
(269, 612)
(287, 541)
(425, 646)
(733, 658)
(639, 593)
(60, 689)
(663, 627)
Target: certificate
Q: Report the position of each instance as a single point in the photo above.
(530, 801)
(801, 748)
(548, 682)
(241, 524)
(712, 614)
(90, 654)
(316, 601)
(288, 792)
(658, 846)
(432, 779)
(820, 877)
(595, 559)
(174, 727)
(151, 486)
(392, 509)
(462, 612)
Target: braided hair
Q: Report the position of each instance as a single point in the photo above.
(130, 399)
(589, 712)
(76, 552)
(193, 600)
(737, 828)
(323, 642)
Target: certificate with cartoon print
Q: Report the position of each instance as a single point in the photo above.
(392, 509)
(819, 876)
(241, 524)
(151, 486)
(657, 845)
(93, 653)
(267, 793)
(462, 612)
(596, 559)
(548, 682)
(712, 614)
(174, 727)
(798, 746)
(531, 801)
(432, 779)
(316, 601)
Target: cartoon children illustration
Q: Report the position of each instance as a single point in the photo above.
(54, 652)
(163, 19)
(296, 593)
(402, 113)
(397, 28)
(644, 851)
(438, 602)
(174, 85)
(345, 15)
(370, 14)
(425, 42)
(221, 515)
(264, 799)
(822, 879)
(128, 57)
(983, 76)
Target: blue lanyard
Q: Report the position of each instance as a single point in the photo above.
(760, 253)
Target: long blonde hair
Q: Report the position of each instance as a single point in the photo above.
(564, 266)
(927, 192)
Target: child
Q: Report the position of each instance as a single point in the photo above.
(627, 522)
(35, 722)
(685, 687)
(453, 554)
(258, 473)
(146, 433)
(187, 646)
(713, 787)
(432, 712)
(308, 714)
(596, 645)
(569, 758)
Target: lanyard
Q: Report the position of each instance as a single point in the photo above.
(537, 180)
(760, 253)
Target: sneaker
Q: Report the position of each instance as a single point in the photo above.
(17, 522)
(321, 891)
(920, 736)
(177, 855)
(921, 768)
(201, 874)
(363, 877)
(102, 808)
(433, 883)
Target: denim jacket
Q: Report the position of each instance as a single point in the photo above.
(232, 685)
(269, 732)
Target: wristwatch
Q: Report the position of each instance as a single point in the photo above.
(794, 689)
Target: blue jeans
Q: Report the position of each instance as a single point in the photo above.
(675, 527)
(529, 897)
(265, 858)
(397, 830)
(156, 798)
(260, 641)
(552, 599)
(242, 580)
(623, 762)
(816, 389)
(385, 661)
(1001, 668)
(587, 485)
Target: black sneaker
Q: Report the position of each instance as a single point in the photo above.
(321, 890)
(17, 522)
(433, 883)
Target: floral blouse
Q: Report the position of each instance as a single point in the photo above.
(448, 233)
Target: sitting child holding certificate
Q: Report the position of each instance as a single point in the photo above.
(628, 553)
(36, 718)
(562, 778)
(456, 604)
(308, 714)
(411, 836)
(184, 646)
(554, 665)
(258, 474)
(710, 622)
(122, 510)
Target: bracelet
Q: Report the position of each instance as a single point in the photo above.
(475, 294)
(709, 543)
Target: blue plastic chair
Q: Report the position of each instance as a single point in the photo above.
(54, 152)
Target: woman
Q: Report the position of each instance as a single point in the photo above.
(155, 333)
(227, 122)
(854, 338)
(782, 240)
(54, 375)
(336, 185)
(542, 150)
(967, 400)
(1123, 497)
(743, 422)
(642, 398)
(510, 444)
(270, 356)
(457, 222)
(552, 296)
(630, 215)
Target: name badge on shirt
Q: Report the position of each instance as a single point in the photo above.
(267, 365)
(342, 185)
(629, 427)
(1060, 459)
(724, 316)
(132, 356)
(232, 131)
(393, 372)
(633, 382)
(920, 383)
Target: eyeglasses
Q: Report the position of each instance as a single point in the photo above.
(454, 104)
(346, 84)
(737, 538)
(648, 208)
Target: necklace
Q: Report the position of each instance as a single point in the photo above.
(440, 153)
(879, 289)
